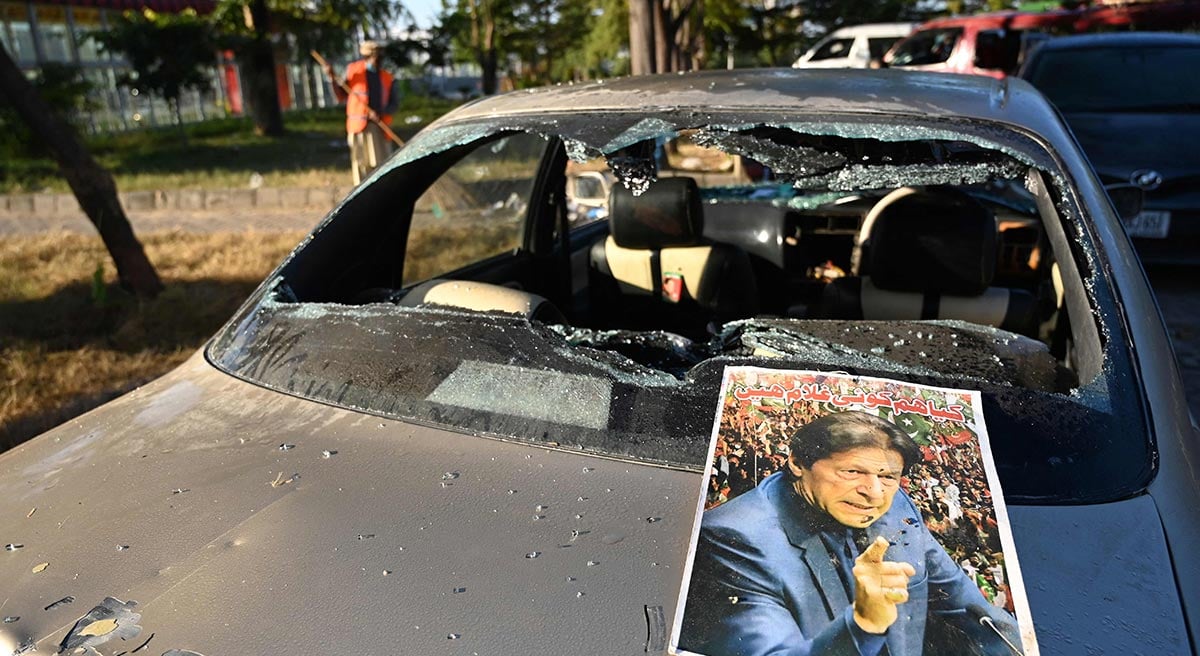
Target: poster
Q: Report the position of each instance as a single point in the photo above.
(843, 515)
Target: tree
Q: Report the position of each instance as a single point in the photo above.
(65, 89)
(672, 32)
(246, 28)
(641, 37)
(479, 27)
(167, 52)
(258, 30)
(548, 37)
(90, 182)
(597, 46)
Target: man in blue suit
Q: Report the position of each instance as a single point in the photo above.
(831, 557)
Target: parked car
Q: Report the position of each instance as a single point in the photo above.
(858, 46)
(587, 195)
(1133, 101)
(995, 44)
(453, 422)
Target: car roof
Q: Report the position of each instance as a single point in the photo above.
(1121, 39)
(875, 29)
(797, 94)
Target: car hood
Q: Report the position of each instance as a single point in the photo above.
(245, 521)
(1120, 143)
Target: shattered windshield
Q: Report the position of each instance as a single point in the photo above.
(581, 281)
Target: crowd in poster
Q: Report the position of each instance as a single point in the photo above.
(850, 515)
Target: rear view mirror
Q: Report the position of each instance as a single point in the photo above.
(1126, 199)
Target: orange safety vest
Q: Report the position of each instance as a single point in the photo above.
(356, 103)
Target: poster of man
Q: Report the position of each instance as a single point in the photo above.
(852, 516)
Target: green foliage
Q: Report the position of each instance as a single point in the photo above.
(99, 287)
(543, 40)
(66, 90)
(605, 50)
(595, 47)
(977, 6)
(327, 26)
(167, 52)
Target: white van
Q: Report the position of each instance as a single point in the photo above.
(854, 47)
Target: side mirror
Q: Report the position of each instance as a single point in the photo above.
(1126, 199)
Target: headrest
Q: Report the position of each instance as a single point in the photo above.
(482, 297)
(667, 214)
(931, 240)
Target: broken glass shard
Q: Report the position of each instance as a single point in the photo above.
(143, 645)
(636, 173)
(65, 600)
(113, 618)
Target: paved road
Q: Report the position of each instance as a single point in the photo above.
(1178, 292)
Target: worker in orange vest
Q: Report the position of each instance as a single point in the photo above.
(373, 97)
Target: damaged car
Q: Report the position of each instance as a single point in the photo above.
(457, 420)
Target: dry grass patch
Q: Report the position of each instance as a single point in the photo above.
(71, 339)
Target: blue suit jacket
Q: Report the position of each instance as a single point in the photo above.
(764, 583)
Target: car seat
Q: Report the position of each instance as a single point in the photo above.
(482, 297)
(928, 253)
(655, 270)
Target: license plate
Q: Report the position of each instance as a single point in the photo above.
(1149, 223)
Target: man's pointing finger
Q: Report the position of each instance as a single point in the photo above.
(875, 552)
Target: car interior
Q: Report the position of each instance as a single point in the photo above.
(694, 238)
(466, 287)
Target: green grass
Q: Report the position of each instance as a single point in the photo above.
(221, 153)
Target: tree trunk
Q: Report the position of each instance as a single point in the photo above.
(259, 68)
(487, 62)
(91, 183)
(663, 37)
(641, 36)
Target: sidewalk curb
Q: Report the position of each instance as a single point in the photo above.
(38, 205)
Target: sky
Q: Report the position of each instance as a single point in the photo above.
(425, 11)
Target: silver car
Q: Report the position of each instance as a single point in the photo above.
(454, 422)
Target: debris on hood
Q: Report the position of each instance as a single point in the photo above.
(113, 618)
(61, 602)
